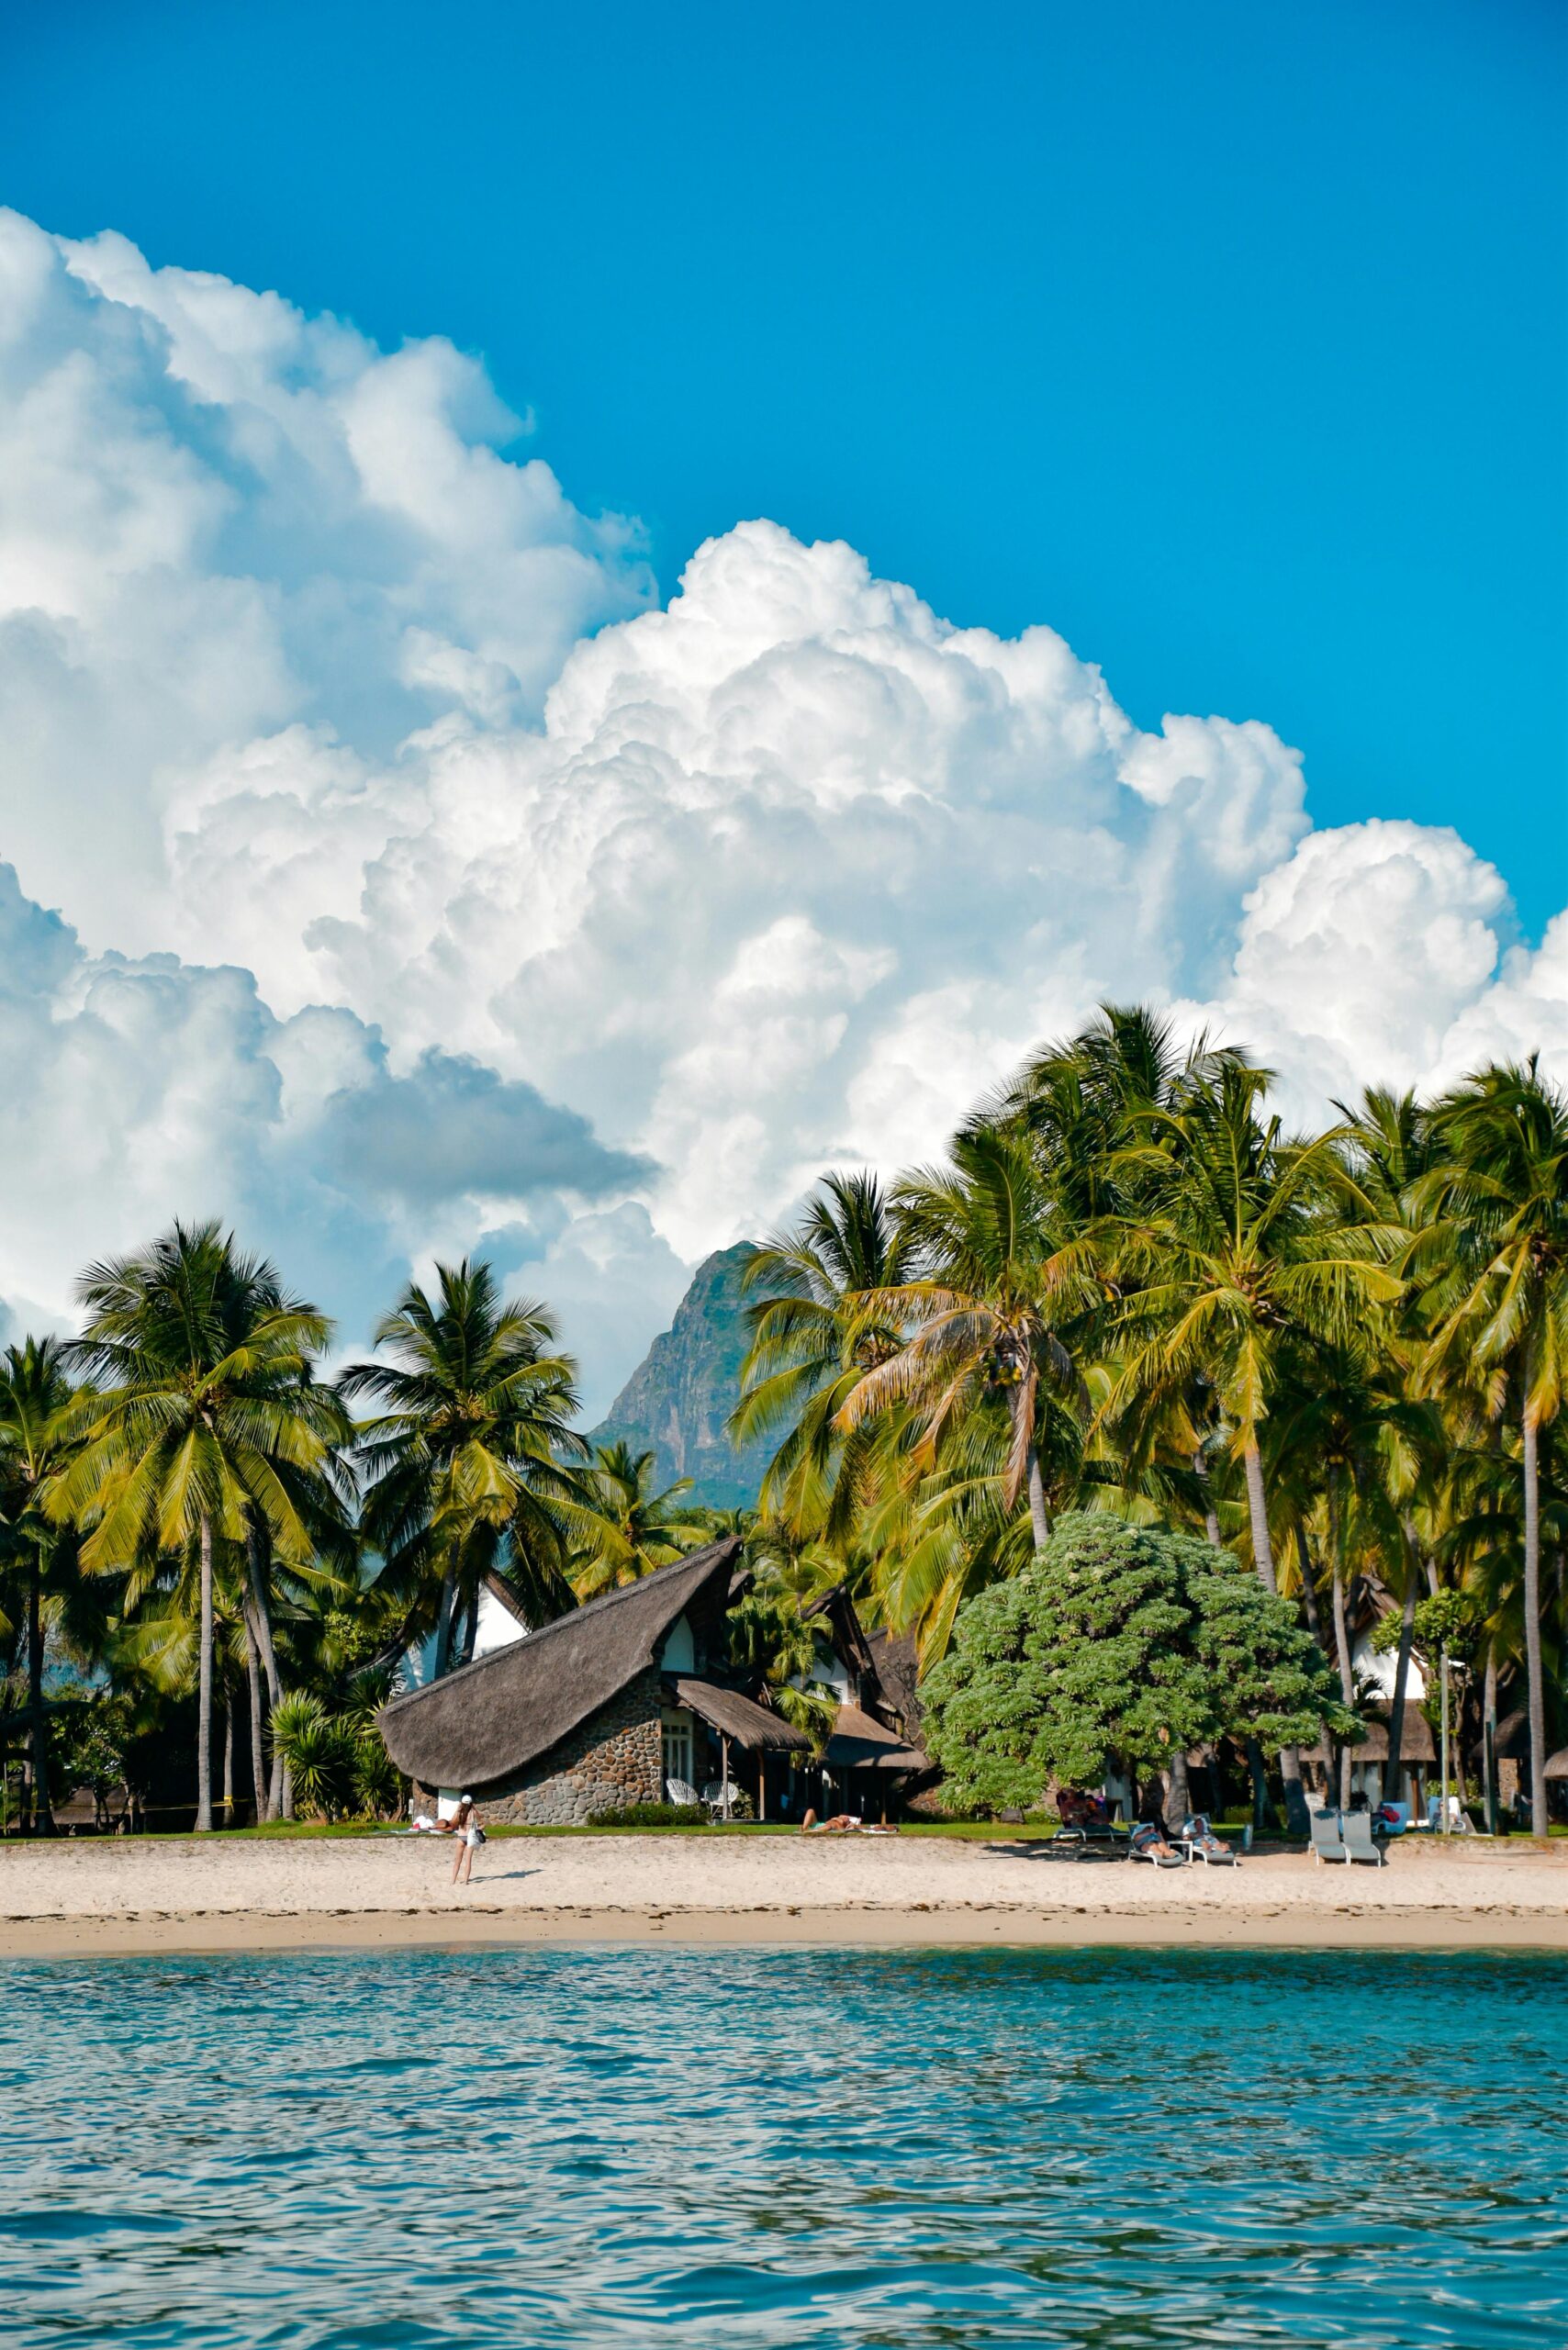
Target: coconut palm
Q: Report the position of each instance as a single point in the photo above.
(1493, 1259)
(207, 1420)
(813, 1332)
(625, 1526)
(34, 1391)
(467, 1465)
(1000, 1273)
(1242, 1245)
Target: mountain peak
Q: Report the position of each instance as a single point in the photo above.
(676, 1401)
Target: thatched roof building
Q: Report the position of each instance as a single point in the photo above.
(1415, 1743)
(592, 1711)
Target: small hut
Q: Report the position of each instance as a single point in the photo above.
(1370, 1772)
(609, 1706)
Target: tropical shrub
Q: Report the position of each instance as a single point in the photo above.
(650, 1815)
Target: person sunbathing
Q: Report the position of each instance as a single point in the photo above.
(1197, 1832)
(1150, 1842)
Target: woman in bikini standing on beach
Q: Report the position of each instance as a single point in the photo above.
(470, 1836)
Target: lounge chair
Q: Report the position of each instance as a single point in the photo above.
(1145, 1837)
(1202, 1844)
(1328, 1844)
(1356, 1829)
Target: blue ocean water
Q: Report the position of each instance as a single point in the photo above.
(754, 2148)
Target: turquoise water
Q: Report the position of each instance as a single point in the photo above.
(751, 2149)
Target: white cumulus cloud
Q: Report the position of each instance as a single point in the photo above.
(471, 895)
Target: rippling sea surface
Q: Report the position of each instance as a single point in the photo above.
(759, 2148)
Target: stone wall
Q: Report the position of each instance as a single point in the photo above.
(615, 1757)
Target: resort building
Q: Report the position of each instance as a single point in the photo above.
(616, 1702)
(874, 1754)
(630, 1700)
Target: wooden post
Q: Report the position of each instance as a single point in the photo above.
(761, 1783)
(725, 1767)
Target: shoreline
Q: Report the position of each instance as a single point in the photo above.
(493, 1927)
(381, 1893)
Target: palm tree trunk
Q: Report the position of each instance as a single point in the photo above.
(1180, 1796)
(1400, 1683)
(1263, 1552)
(1532, 1629)
(203, 1690)
(1309, 1586)
(1341, 1630)
(1211, 1516)
(262, 1627)
(254, 1686)
(43, 1816)
(443, 1623)
(1039, 1518)
(1258, 1509)
(1489, 1741)
(228, 1756)
(1260, 1771)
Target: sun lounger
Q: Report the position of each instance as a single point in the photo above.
(1356, 1829)
(1144, 1837)
(1328, 1844)
(1202, 1844)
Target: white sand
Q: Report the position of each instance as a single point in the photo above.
(191, 1894)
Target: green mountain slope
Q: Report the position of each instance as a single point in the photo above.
(679, 1398)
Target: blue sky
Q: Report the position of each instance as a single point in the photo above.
(422, 834)
(1228, 340)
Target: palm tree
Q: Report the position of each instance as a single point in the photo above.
(625, 1528)
(1000, 1273)
(209, 1421)
(34, 1391)
(1495, 1262)
(466, 1464)
(1242, 1246)
(813, 1335)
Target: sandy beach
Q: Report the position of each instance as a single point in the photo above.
(385, 1890)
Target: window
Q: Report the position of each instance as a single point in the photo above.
(675, 1730)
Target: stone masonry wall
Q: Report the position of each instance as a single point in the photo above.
(615, 1757)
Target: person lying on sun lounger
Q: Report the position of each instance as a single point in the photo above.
(1147, 1842)
(1076, 1810)
(1199, 1836)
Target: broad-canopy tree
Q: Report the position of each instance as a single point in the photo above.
(1118, 1642)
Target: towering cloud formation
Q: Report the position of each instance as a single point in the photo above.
(599, 945)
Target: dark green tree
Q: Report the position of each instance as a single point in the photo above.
(1118, 1642)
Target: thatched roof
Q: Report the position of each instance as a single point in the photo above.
(858, 1743)
(1512, 1742)
(896, 1660)
(749, 1724)
(501, 1713)
(1557, 1765)
(1415, 1744)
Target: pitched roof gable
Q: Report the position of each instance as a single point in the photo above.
(501, 1713)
